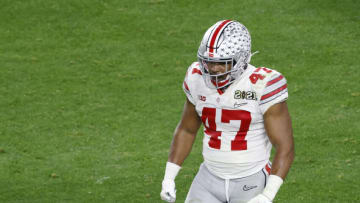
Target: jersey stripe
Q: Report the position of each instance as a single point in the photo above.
(215, 35)
(282, 94)
(186, 86)
(274, 80)
(273, 92)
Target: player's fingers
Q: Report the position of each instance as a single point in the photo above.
(171, 197)
(172, 193)
(164, 196)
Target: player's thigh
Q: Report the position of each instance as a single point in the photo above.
(246, 188)
(199, 194)
(203, 188)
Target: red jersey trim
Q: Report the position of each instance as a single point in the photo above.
(195, 70)
(186, 86)
(274, 80)
(267, 168)
(274, 92)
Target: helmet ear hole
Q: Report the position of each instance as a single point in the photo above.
(234, 62)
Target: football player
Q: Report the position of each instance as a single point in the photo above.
(244, 113)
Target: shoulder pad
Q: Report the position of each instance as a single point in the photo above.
(194, 69)
(261, 77)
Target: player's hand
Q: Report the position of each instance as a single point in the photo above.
(260, 199)
(168, 192)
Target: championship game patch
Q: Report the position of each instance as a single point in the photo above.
(248, 95)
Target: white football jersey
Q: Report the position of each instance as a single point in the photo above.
(235, 142)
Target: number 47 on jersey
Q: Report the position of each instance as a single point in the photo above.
(239, 143)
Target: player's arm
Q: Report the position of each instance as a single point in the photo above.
(184, 137)
(278, 127)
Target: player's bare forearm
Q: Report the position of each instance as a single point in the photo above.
(279, 129)
(181, 146)
(282, 162)
(184, 135)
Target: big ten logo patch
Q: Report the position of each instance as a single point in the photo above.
(202, 98)
(248, 95)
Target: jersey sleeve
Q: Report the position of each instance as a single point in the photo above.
(186, 87)
(275, 91)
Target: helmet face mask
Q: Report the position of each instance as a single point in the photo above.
(227, 43)
(216, 80)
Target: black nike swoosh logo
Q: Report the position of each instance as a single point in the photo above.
(246, 188)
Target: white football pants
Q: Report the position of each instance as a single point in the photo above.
(208, 188)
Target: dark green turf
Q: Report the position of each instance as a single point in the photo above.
(90, 93)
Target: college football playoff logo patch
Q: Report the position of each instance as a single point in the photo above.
(248, 95)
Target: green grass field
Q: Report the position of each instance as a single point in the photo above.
(90, 93)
